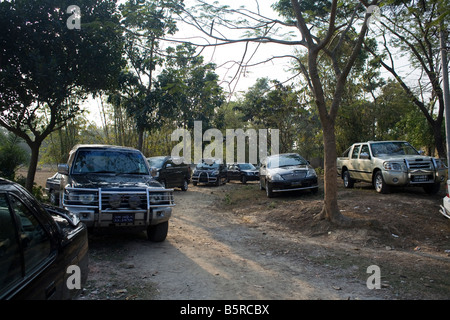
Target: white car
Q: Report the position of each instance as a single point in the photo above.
(445, 209)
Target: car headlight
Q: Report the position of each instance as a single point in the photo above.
(215, 173)
(311, 173)
(276, 177)
(84, 198)
(393, 166)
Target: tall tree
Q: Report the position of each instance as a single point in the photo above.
(144, 23)
(412, 28)
(45, 62)
(324, 27)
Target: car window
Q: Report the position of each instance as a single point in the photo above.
(34, 239)
(365, 149)
(10, 267)
(355, 152)
(109, 161)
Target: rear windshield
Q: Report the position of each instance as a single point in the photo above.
(156, 162)
(109, 161)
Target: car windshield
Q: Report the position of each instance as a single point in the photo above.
(286, 161)
(204, 165)
(109, 161)
(246, 166)
(156, 162)
(380, 149)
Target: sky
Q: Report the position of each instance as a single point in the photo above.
(224, 56)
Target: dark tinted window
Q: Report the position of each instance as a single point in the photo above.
(10, 267)
(109, 161)
(35, 241)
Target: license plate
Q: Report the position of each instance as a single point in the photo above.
(420, 178)
(123, 218)
(296, 184)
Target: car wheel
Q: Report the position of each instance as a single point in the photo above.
(158, 233)
(244, 179)
(432, 188)
(261, 186)
(379, 183)
(348, 182)
(185, 185)
(269, 190)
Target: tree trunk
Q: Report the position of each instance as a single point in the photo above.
(330, 209)
(33, 165)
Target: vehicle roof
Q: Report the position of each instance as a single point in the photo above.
(101, 146)
(283, 154)
(375, 141)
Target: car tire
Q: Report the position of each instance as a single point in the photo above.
(244, 179)
(348, 182)
(158, 232)
(185, 185)
(269, 190)
(379, 183)
(261, 186)
(432, 188)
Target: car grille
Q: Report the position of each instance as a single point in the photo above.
(113, 200)
(297, 174)
(420, 165)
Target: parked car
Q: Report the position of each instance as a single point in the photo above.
(52, 188)
(170, 172)
(286, 172)
(445, 208)
(242, 172)
(210, 171)
(386, 164)
(38, 244)
(111, 188)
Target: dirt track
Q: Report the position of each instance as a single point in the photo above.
(231, 242)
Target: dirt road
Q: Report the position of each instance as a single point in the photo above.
(217, 250)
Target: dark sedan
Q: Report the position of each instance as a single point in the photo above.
(242, 172)
(287, 172)
(43, 249)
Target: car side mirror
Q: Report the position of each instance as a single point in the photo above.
(63, 169)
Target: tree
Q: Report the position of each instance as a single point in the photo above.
(188, 89)
(12, 155)
(46, 68)
(412, 27)
(324, 27)
(144, 23)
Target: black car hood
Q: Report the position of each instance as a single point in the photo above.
(108, 180)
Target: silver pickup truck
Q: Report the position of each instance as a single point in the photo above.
(390, 163)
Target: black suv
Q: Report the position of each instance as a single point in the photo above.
(242, 172)
(43, 249)
(171, 172)
(286, 172)
(210, 171)
(110, 187)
